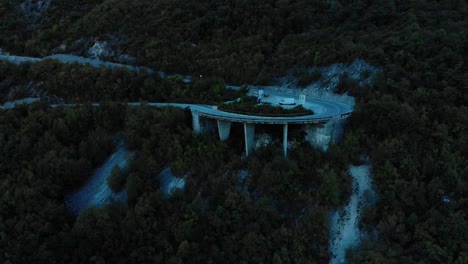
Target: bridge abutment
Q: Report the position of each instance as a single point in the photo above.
(322, 135)
(224, 129)
(249, 135)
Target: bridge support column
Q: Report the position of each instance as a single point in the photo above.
(285, 140)
(249, 134)
(224, 128)
(196, 122)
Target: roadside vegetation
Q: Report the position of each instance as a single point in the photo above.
(249, 106)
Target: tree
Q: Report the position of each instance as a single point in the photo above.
(117, 179)
(134, 188)
(330, 189)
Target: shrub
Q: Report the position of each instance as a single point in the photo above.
(309, 78)
(249, 107)
(346, 83)
(117, 179)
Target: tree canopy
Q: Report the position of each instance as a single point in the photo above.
(412, 123)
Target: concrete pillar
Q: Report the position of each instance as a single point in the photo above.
(302, 99)
(249, 134)
(224, 128)
(196, 122)
(285, 140)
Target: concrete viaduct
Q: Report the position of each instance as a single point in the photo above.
(224, 121)
(325, 111)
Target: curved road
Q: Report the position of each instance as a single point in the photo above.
(324, 110)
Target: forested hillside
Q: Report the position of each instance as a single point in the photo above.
(77, 83)
(273, 216)
(412, 123)
(246, 41)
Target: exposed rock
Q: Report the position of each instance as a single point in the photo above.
(262, 140)
(125, 58)
(105, 50)
(96, 191)
(100, 50)
(34, 7)
(169, 182)
(345, 233)
(60, 49)
(359, 70)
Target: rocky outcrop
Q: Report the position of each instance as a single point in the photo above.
(262, 140)
(34, 7)
(345, 233)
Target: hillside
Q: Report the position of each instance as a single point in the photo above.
(410, 125)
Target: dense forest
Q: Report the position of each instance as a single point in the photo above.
(412, 122)
(273, 216)
(74, 83)
(245, 41)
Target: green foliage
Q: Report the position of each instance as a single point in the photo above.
(83, 83)
(411, 122)
(175, 228)
(249, 107)
(134, 188)
(347, 83)
(306, 77)
(117, 179)
(177, 78)
(330, 192)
